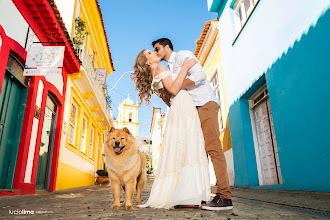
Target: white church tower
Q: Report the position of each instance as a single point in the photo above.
(128, 116)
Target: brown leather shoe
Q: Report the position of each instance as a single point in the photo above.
(218, 203)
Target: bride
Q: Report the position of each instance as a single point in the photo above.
(182, 176)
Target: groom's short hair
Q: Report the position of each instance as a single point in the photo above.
(163, 42)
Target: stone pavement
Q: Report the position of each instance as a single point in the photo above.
(94, 202)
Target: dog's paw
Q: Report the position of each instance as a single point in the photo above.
(128, 207)
(138, 203)
(115, 207)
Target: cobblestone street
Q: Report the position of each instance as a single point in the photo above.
(94, 202)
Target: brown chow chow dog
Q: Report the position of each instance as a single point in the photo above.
(126, 166)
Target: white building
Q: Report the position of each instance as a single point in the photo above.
(157, 129)
(145, 144)
(128, 116)
(275, 63)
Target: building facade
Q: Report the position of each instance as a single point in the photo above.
(128, 113)
(32, 108)
(275, 66)
(86, 112)
(208, 53)
(157, 129)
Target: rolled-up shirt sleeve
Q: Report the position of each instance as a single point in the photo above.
(196, 73)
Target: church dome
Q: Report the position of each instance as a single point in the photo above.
(128, 101)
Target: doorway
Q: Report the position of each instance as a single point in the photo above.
(12, 106)
(268, 163)
(46, 145)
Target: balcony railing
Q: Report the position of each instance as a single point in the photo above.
(80, 51)
(98, 90)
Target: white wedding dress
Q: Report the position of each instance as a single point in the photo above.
(182, 176)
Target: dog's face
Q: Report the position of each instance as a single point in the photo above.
(120, 140)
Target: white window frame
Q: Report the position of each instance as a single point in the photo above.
(245, 13)
(77, 10)
(96, 157)
(99, 147)
(217, 73)
(91, 142)
(249, 10)
(82, 48)
(73, 126)
(83, 135)
(239, 20)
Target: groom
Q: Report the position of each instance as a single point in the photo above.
(208, 107)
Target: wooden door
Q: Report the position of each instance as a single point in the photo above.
(12, 106)
(266, 138)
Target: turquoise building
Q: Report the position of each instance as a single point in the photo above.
(276, 66)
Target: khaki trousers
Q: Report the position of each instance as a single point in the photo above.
(208, 115)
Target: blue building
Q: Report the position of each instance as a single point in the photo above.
(276, 65)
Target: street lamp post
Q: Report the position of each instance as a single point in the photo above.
(119, 80)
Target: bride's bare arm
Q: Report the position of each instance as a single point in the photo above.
(174, 87)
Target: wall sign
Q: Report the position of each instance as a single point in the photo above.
(44, 60)
(101, 73)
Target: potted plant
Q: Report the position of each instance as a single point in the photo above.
(80, 32)
(102, 177)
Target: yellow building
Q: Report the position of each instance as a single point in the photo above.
(208, 53)
(86, 112)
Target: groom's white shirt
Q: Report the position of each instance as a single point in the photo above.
(202, 91)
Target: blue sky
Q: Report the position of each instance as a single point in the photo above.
(132, 25)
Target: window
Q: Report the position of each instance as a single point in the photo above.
(77, 11)
(242, 11)
(91, 144)
(99, 151)
(91, 56)
(73, 124)
(16, 68)
(83, 135)
(79, 37)
(216, 88)
(130, 117)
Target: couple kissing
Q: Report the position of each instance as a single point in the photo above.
(191, 132)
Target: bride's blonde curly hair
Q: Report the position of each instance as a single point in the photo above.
(142, 78)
